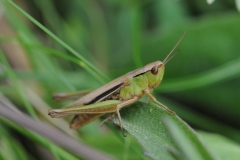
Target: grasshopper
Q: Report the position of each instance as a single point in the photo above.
(115, 95)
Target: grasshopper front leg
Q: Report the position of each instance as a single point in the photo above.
(146, 91)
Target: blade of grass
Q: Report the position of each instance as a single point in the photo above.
(16, 85)
(8, 104)
(52, 134)
(37, 138)
(83, 62)
(136, 35)
(202, 121)
(215, 75)
(10, 147)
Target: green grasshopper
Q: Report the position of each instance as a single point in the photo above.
(115, 95)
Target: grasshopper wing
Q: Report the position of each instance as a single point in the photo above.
(70, 95)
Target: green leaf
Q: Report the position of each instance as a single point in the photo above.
(222, 147)
(153, 127)
(189, 147)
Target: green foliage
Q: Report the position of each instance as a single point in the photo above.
(222, 147)
(162, 133)
(75, 44)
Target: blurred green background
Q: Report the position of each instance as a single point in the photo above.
(201, 84)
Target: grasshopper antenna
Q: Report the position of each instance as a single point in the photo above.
(166, 59)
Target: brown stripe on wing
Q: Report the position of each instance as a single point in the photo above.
(83, 119)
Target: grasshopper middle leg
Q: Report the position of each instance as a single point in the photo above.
(118, 108)
(121, 105)
(108, 118)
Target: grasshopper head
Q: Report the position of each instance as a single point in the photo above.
(158, 66)
(155, 75)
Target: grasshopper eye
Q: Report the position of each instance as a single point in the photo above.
(154, 70)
